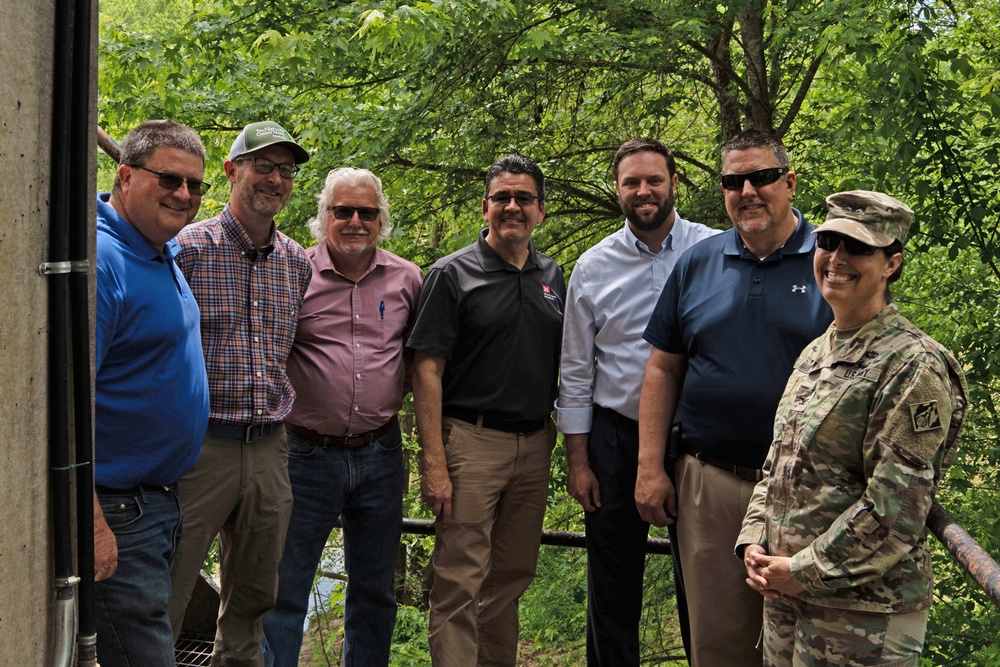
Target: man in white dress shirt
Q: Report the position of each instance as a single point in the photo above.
(611, 295)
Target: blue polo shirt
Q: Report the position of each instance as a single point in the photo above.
(741, 322)
(151, 393)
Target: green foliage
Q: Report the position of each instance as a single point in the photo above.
(889, 95)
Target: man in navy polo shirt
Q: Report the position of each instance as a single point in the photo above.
(734, 315)
(487, 340)
(151, 391)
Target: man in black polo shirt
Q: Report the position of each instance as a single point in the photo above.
(487, 341)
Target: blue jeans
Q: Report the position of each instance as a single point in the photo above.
(363, 487)
(133, 627)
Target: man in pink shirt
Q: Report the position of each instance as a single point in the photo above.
(345, 455)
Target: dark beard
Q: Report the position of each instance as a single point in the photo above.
(662, 213)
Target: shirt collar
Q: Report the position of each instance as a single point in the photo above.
(801, 242)
(324, 262)
(239, 236)
(633, 242)
(491, 261)
(136, 242)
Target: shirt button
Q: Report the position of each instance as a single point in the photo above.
(255, 268)
(356, 408)
(756, 281)
(255, 303)
(358, 376)
(657, 288)
(260, 412)
(256, 339)
(357, 316)
(357, 346)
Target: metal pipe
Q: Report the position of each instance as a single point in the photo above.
(56, 271)
(555, 538)
(81, 198)
(972, 557)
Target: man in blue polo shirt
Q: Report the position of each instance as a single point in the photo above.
(151, 398)
(734, 315)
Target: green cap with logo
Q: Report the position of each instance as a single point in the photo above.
(263, 134)
(873, 218)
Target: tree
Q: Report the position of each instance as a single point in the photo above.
(898, 96)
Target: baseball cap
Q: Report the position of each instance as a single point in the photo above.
(266, 133)
(874, 218)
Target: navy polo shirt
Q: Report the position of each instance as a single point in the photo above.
(741, 322)
(499, 328)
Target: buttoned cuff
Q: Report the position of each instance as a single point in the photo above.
(807, 572)
(574, 420)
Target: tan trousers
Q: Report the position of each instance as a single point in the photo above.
(240, 492)
(726, 614)
(486, 557)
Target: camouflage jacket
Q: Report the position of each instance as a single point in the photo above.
(865, 429)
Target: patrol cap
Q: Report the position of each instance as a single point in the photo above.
(874, 218)
(263, 134)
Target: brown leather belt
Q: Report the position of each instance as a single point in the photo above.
(358, 440)
(743, 472)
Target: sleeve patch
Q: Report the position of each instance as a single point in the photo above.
(925, 416)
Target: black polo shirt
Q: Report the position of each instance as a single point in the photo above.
(498, 328)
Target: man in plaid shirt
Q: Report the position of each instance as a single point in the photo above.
(249, 280)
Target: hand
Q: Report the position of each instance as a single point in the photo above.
(771, 576)
(435, 487)
(655, 497)
(582, 485)
(105, 546)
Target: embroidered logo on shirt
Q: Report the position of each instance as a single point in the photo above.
(801, 289)
(925, 416)
(546, 289)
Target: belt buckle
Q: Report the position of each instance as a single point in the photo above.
(249, 436)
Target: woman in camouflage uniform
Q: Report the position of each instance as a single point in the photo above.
(835, 536)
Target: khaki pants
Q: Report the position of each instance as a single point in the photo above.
(726, 614)
(240, 492)
(486, 557)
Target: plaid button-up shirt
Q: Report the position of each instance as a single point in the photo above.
(249, 301)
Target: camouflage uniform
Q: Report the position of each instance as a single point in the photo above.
(865, 429)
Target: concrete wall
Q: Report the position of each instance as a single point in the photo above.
(26, 590)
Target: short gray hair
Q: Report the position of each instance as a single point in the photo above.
(355, 178)
(139, 145)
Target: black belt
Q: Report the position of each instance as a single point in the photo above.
(343, 440)
(137, 490)
(246, 432)
(617, 418)
(743, 472)
(526, 426)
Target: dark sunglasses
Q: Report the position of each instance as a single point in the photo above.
(758, 178)
(365, 213)
(830, 241)
(265, 166)
(171, 182)
(523, 199)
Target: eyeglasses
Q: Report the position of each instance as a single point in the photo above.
(171, 182)
(264, 166)
(522, 199)
(365, 213)
(830, 241)
(758, 179)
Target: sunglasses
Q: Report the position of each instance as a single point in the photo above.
(830, 241)
(522, 199)
(265, 166)
(171, 182)
(758, 179)
(365, 213)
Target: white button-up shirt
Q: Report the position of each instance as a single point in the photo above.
(611, 295)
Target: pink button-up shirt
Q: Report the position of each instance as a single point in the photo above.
(347, 360)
